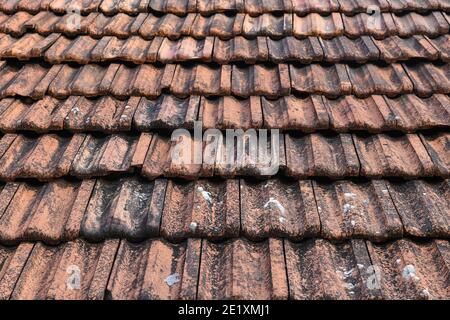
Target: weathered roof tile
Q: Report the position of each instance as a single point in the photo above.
(331, 156)
(204, 209)
(49, 266)
(155, 270)
(278, 208)
(429, 78)
(42, 213)
(247, 270)
(125, 209)
(351, 210)
(387, 155)
(339, 268)
(438, 147)
(412, 270)
(369, 79)
(103, 155)
(327, 80)
(47, 157)
(423, 207)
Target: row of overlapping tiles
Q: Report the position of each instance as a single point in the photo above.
(135, 209)
(56, 48)
(154, 155)
(376, 114)
(122, 81)
(239, 269)
(207, 7)
(224, 26)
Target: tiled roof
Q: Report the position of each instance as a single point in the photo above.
(360, 94)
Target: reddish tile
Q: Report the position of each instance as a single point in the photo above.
(155, 270)
(317, 155)
(393, 156)
(242, 270)
(75, 271)
(204, 209)
(423, 207)
(411, 270)
(318, 269)
(278, 208)
(350, 210)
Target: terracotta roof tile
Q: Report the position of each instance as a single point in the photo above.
(400, 5)
(422, 206)
(341, 49)
(429, 78)
(292, 49)
(396, 49)
(63, 6)
(416, 269)
(313, 155)
(352, 6)
(293, 113)
(401, 156)
(201, 79)
(432, 25)
(369, 79)
(409, 270)
(442, 45)
(278, 208)
(124, 209)
(253, 7)
(92, 182)
(335, 266)
(50, 213)
(103, 155)
(84, 50)
(274, 26)
(155, 270)
(379, 26)
(438, 147)
(49, 265)
(136, 209)
(407, 113)
(331, 156)
(327, 80)
(315, 24)
(376, 113)
(204, 209)
(168, 112)
(12, 261)
(269, 80)
(47, 157)
(351, 210)
(257, 7)
(248, 270)
(231, 113)
(318, 6)
(224, 26)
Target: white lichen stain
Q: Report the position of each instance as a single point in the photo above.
(409, 273)
(173, 279)
(274, 202)
(193, 226)
(349, 195)
(347, 208)
(425, 294)
(205, 194)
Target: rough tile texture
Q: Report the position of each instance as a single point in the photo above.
(108, 192)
